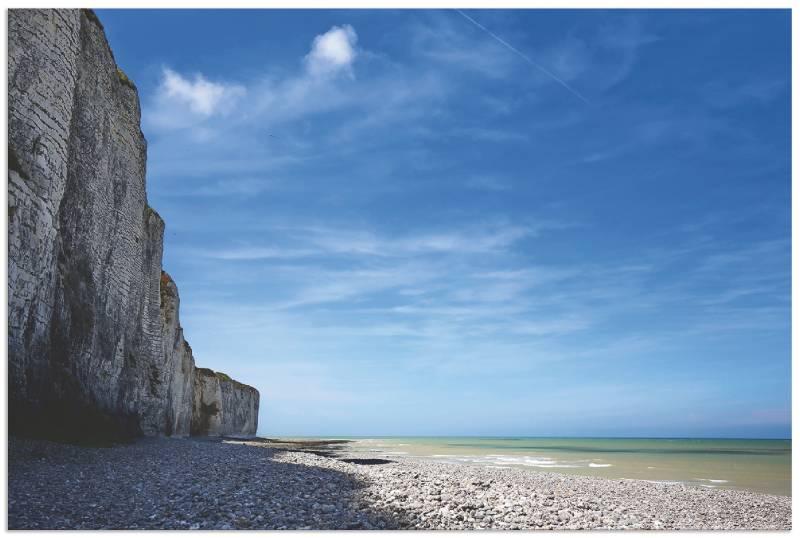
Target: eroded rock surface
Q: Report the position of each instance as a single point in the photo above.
(223, 406)
(94, 341)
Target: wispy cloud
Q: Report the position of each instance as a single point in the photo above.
(680, 130)
(603, 56)
(186, 101)
(756, 90)
(444, 286)
(488, 183)
(439, 40)
(254, 253)
(489, 135)
(310, 240)
(525, 57)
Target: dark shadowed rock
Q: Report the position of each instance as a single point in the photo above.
(367, 461)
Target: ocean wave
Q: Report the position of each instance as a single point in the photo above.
(654, 481)
(600, 465)
(528, 461)
(554, 465)
(716, 481)
(505, 461)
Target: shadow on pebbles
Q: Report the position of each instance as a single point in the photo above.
(180, 484)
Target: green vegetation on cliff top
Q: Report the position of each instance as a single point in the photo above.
(124, 79)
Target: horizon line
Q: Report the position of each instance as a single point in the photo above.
(532, 437)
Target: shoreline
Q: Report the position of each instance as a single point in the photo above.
(746, 465)
(290, 484)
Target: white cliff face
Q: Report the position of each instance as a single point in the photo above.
(178, 367)
(223, 406)
(95, 343)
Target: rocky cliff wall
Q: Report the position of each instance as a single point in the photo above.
(178, 367)
(95, 345)
(222, 406)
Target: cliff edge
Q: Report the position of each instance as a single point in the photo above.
(95, 346)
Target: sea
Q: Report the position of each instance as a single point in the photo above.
(762, 465)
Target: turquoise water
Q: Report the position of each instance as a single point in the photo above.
(762, 465)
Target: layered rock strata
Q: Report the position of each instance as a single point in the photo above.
(95, 345)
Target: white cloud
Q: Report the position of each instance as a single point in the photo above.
(332, 52)
(285, 102)
(484, 238)
(253, 253)
(182, 100)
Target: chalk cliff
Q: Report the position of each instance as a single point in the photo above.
(222, 405)
(95, 345)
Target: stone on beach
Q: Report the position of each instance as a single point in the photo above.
(224, 484)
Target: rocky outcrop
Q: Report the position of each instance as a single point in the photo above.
(95, 345)
(222, 406)
(178, 368)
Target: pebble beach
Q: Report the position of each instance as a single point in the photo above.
(227, 484)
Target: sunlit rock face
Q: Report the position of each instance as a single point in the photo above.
(95, 346)
(223, 406)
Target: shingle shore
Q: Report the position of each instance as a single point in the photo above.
(209, 484)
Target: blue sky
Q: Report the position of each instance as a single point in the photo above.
(391, 223)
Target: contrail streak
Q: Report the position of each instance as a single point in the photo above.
(572, 90)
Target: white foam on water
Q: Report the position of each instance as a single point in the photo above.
(654, 481)
(550, 465)
(501, 460)
(600, 465)
(529, 461)
(525, 460)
